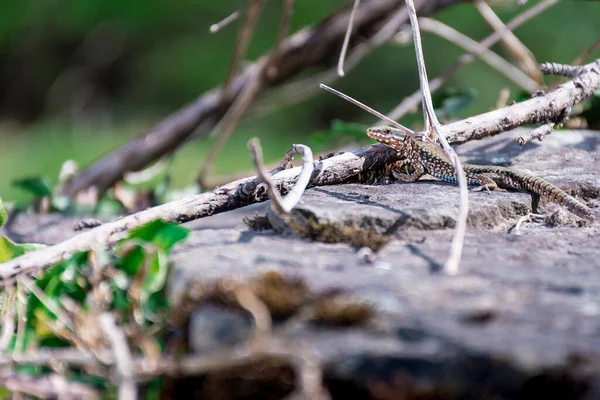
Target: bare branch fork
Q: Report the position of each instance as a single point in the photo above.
(347, 167)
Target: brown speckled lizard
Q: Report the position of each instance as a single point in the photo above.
(429, 158)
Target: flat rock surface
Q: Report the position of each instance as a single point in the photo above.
(520, 320)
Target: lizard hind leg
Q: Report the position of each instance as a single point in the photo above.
(401, 169)
(486, 183)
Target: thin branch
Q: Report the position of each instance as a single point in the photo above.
(511, 42)
(8, 317)
(122, 355)
(492, 59)
(538, 133)
(370, 110)
(284, 28)
(61, 316)
(340, 66)
(244, 100)
(259, 311)
(432, 125)
(587, 53)
(214, 28)
(49, 387)
(251, 16)
(230, 121)
(410, 103)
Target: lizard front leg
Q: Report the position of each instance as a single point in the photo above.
(485, 182)
(418, 171)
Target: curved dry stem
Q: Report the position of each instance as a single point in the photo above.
(340, 66)
(432, 126)
(283, 205)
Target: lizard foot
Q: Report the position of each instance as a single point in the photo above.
(488, 188)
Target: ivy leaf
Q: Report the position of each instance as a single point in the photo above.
(10, 250)
(37, 186)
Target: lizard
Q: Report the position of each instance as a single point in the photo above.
(428, 158)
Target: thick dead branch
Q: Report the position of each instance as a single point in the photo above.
(355, 166)
(548, 107)
(309, 47)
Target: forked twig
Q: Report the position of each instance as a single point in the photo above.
(587, 52)
(432, 125)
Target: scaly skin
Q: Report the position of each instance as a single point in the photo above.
(428, 158)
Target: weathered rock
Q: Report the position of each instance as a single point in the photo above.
(520, 320)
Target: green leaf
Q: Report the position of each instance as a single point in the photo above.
(37, 186)
(3, 213)
(163, 235)
(159, 234)
(10, 250)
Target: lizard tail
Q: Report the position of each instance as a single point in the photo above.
(554, 194)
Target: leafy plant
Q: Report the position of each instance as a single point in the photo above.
(8, 248)
(64, 307)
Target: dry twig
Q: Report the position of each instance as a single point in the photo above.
(511, 42)
(122, 356)
(286, 204)
(410, 103)
(340, 66)
(538, 133)
(492, 59)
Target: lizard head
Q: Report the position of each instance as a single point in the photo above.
(390, 136)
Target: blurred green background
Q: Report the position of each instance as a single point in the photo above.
(79, 78)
